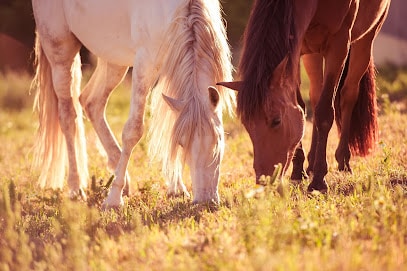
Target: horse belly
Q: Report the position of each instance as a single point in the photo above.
(112, 47)
(328, 20)
(101, 29)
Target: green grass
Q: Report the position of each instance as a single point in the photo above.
(360, 225)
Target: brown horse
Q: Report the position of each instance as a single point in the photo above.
(278, 33)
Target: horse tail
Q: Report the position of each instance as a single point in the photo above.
(363, 132)
(50, 153)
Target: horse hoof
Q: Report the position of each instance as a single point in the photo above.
(212, 204)
(318, 187)
(114, 200)
(111, 206)
(299, 176)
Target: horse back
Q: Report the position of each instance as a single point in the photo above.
(112, 30)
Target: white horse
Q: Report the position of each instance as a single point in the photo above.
(178, 48)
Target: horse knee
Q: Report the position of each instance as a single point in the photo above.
(132, 132)
(93, 110)
(324, 118)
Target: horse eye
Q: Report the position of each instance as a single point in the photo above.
(275, 122)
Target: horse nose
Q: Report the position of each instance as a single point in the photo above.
(268, 169)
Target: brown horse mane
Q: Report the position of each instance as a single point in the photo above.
(269, 37)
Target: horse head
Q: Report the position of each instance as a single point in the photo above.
(277, 127)
(202, 148)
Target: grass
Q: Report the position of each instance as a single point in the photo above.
(360, 225)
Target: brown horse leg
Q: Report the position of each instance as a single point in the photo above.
(360, 57)
(313, 64)
(298, 164)
(324, 112)
(298, 172)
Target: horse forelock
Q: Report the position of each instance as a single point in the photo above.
(195, 47)
(269, 37)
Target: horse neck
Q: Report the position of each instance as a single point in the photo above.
(196, 47)
(270, 36)
(194, 55)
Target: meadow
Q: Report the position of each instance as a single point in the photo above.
(361, 224)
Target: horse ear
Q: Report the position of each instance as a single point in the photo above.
(175, 105)
(213, 96)
(236, 85)
(280, 70)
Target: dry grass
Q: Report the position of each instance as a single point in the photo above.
(360, 225)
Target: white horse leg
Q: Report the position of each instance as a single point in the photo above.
(132, 131)
(66, 74)
(94, 99)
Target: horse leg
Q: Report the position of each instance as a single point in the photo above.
(66, 73)
(132, 131)
(359, 59)
(335, 58)
(94, 99)
(313, 64)
(298, 172)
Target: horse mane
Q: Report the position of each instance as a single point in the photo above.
(195, 47)
(269, 37)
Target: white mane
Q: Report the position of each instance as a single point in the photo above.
(196, 39)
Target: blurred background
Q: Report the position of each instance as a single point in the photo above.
(17, 33)
(17, 28)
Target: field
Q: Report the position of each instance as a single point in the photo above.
(360, 225)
